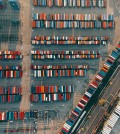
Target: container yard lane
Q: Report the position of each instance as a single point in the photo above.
(99, 111)
(26, 48)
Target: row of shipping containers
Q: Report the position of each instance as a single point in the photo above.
(50, 97)
(48, 52)
(59, 67)
(10, 90)
(76, 113)
(73, 17)
(85, 54)
(70, 3)
(18, 115)
(10, 55)
(110, 123)
(18, 67)
(10, 73)
(73, 24)
(52, 89)
(10, 98)
(60, 73)
(70, 40)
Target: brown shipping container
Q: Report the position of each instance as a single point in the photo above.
(35, 2)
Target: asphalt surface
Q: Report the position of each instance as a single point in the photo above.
(8, 32)
(78, 82)
(98, 111)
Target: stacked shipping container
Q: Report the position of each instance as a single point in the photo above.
(110, 123)
(10, 55)
(10, 90)
(10, 72)
(10, 98)
(71, 40)
(41, 54)
(82, 21)
(50, 97)
(70, 3)
(18, 115)
(59, 67)
(52, 89)
(59, 71)
(78, 112)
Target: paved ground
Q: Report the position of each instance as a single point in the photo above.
(26, 48)
(80, 83)
(8, 32)
(94, 64)
(9, 39)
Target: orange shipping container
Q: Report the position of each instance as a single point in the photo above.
(33, 24)
(35, 2)
(104, 24)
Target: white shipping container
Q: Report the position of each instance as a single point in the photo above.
(11, 72)
(79, 108)
(3, 116)
(117, 111)
(34, 73)
(104, 132)
(88, 94)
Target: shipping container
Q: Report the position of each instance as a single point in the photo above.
(43, 54)
(62, 40)
(92, 88)
(50, 97)
(70, 3)
(52, 89)
(10, 90)
(10, 55)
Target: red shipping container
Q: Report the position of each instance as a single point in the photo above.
(8, 98)
(15, 115)
(0, 115)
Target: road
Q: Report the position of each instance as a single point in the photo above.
(26, 48)
(98, 112)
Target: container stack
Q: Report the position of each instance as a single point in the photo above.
(10, 90)
(81, 21)
(10, 72)
(50, 97)
(52, 89)
(70, 3)
(70, 40)
(18, 115)
(58, 71)
(10, 98)
(10, 55)
(113, 119)
(85, 54)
